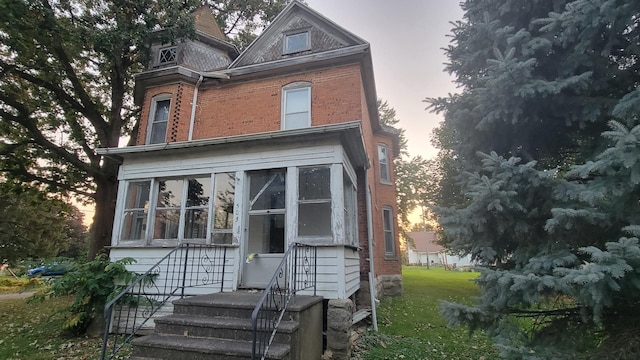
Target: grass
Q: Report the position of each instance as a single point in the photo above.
(33, 330)
(411, 328)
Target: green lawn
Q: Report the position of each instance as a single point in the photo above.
(411, 327)
(33, 331)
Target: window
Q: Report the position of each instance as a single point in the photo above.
(224, 194)
(296, 108)
(136, 207)
(383, 161)
(167, 212)
(314, 202)
(297, 42)
(167, 55)
(196, 214)
(267, 205)
(158, 121)
(389, 238)
(350, 214)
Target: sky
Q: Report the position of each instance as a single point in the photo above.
(406, 37)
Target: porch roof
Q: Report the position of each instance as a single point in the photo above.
(349, 134)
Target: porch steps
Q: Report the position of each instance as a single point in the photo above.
(218, 326)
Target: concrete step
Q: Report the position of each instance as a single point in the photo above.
(218, 327)
(238, 305)
(172, 347)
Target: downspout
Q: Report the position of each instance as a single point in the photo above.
(372, 286)
(210, 74)
(193, 106)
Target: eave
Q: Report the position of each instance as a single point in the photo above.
(345, 132)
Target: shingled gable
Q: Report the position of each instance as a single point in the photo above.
(329, 43)
(323, 35)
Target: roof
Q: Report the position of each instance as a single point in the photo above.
(423, 241)
(206, 23)
(349, 134)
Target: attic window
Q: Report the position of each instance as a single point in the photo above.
(297, 42)
(167, 56)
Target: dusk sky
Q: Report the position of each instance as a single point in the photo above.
(406, 38)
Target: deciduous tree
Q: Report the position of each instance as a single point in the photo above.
(66, 78)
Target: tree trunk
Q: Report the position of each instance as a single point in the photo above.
(105, 197)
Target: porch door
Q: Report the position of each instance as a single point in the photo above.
(265, 236)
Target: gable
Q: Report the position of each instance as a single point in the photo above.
(296, 18)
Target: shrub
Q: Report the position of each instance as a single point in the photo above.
(92, 284)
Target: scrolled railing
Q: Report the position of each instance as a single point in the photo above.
(186, 266)
(296, 272)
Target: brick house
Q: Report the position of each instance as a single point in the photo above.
(258, 150)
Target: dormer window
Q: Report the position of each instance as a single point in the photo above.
(296, 42)
(167, 56)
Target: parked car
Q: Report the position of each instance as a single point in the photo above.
(47, 270)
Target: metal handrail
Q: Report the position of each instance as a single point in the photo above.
(296, 272)
(186, 266)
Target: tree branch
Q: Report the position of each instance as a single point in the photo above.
(27, 123)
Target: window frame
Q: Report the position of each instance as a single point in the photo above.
(384, 164)
(285, 48)
(146, 210)
(167, 48)
(328, 238)
(297, 86)
(388, 211)
(152, 117)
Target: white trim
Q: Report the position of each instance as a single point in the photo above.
(387, 164)
(151, 116)
(337, 204)
(288, 34)
(291, 205)
(297, 86)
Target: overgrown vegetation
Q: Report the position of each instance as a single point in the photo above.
(91, 284)
(411, 327)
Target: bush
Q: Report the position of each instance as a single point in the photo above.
(92, 284)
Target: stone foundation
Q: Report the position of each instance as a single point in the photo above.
(339, 321)
(389, 285)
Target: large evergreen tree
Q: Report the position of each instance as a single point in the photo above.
(545, 138)
(66, 77)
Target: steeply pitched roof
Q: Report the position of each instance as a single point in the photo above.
(324, 34)
(206, 23)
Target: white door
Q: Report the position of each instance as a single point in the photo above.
(265, 235)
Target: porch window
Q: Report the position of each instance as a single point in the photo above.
(389, 237)
(296, 106)
(314, 202)
(196, 215)
(383, 161)
(224, 194)
(158, 120)
(167, 212)
(135, 211)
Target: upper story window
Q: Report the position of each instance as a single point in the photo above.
(296, 42)
(389, 236)
(296, 107)
(158, 120)
(383, 161)
(167, 55)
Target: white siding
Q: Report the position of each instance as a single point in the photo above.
(330, 279)
(198, 269)
(225, 161)
(352, 271)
